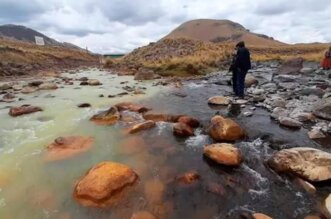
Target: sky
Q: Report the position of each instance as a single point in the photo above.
(119, 26)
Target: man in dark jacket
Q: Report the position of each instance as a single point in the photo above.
(240, 66)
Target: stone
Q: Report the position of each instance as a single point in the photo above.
(28, 90)
(47, 86)
(190, 121)
(224, 129)
(142, 215)
(131, 107)
(84, 83)
(306, 70)
(292, 66)
(142, 126)
(35, 83)
(248, 114)
(154, 191)
(22, 110)
(67, 147)
(9, 96)
(250, 80)
(289, 122)
(5, 86)
(94, 82)
(108, 117)
(316, 134)
(323, 109)
(225, 154)
(306, 185)
(260, 216)
(182, 130)
(308, 163)
(215, 188)
(279, 112)
(328, 204)
(144, 74)
(83, 79)
(84, 105)
(159, 117)
(105, 185)
(312, 91)
(219, 100)
(188, 178)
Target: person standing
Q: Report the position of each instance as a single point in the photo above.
(326, 62)
(240, 67)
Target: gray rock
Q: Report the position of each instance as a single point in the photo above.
(312, 91)
(323, 109)
(5, 86)
(289, 122)
(306, 70)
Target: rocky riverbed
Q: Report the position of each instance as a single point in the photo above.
(91, 144)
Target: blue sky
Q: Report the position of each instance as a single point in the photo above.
(122, 25)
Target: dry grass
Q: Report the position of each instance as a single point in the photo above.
(12, 51)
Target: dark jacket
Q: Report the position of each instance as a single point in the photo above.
(243, 59)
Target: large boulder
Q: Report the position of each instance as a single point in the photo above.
(323, 109)
(225, 154)
(66, 147)
(219, 100)
(47, 86)
(105, 185)
(182, 130)
(24, 109)
(292, 66)
(141, 126)
(131, 107)
(144, 74)
(308, 163)
(224, 129)
(108, 117)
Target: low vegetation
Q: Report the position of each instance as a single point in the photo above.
(186, 57)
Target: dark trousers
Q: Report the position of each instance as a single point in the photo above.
(238, 82)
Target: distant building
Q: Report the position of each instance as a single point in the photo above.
(40, 41)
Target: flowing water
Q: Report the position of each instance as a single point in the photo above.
(34, 188)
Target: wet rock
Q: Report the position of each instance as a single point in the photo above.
(292, 66)
(47, 86)
(216, 188)
(9, 96)
(159, 117)
(312, 91)
(190, 121)
(5, 86)
(24, 109)
(219, 100)
(182, 130)
(154, 191)
(105, 185)
(248, 114)
(303, 116)
(261, 216)
(144, 74)
(316, 134)
(28, 90)
(328, 204)
(142, 126)
(289, 85)
(188, 178)
(83, 83)
(108, 117)
(131, 107)
(138, 92)
(17, 87)
(306, 185)
(94, 82)
(256, 91)
(279, 112)
(225, 154)
(289, 122)
(66, 147)
(250, 80)
(35, 83)
(84, 105)
(142, 215)
(308, 163)
(306, 70)
(224, 129)
(83, 79)
(323, 109)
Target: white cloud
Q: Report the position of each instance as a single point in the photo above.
(122, 25)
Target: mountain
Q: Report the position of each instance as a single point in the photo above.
(22, 33)
(220, 31)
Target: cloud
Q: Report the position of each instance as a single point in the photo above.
(122, 25)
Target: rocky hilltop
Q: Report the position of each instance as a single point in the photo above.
(220, 31)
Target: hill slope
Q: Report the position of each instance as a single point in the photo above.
(220, 31)
(22, 33)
